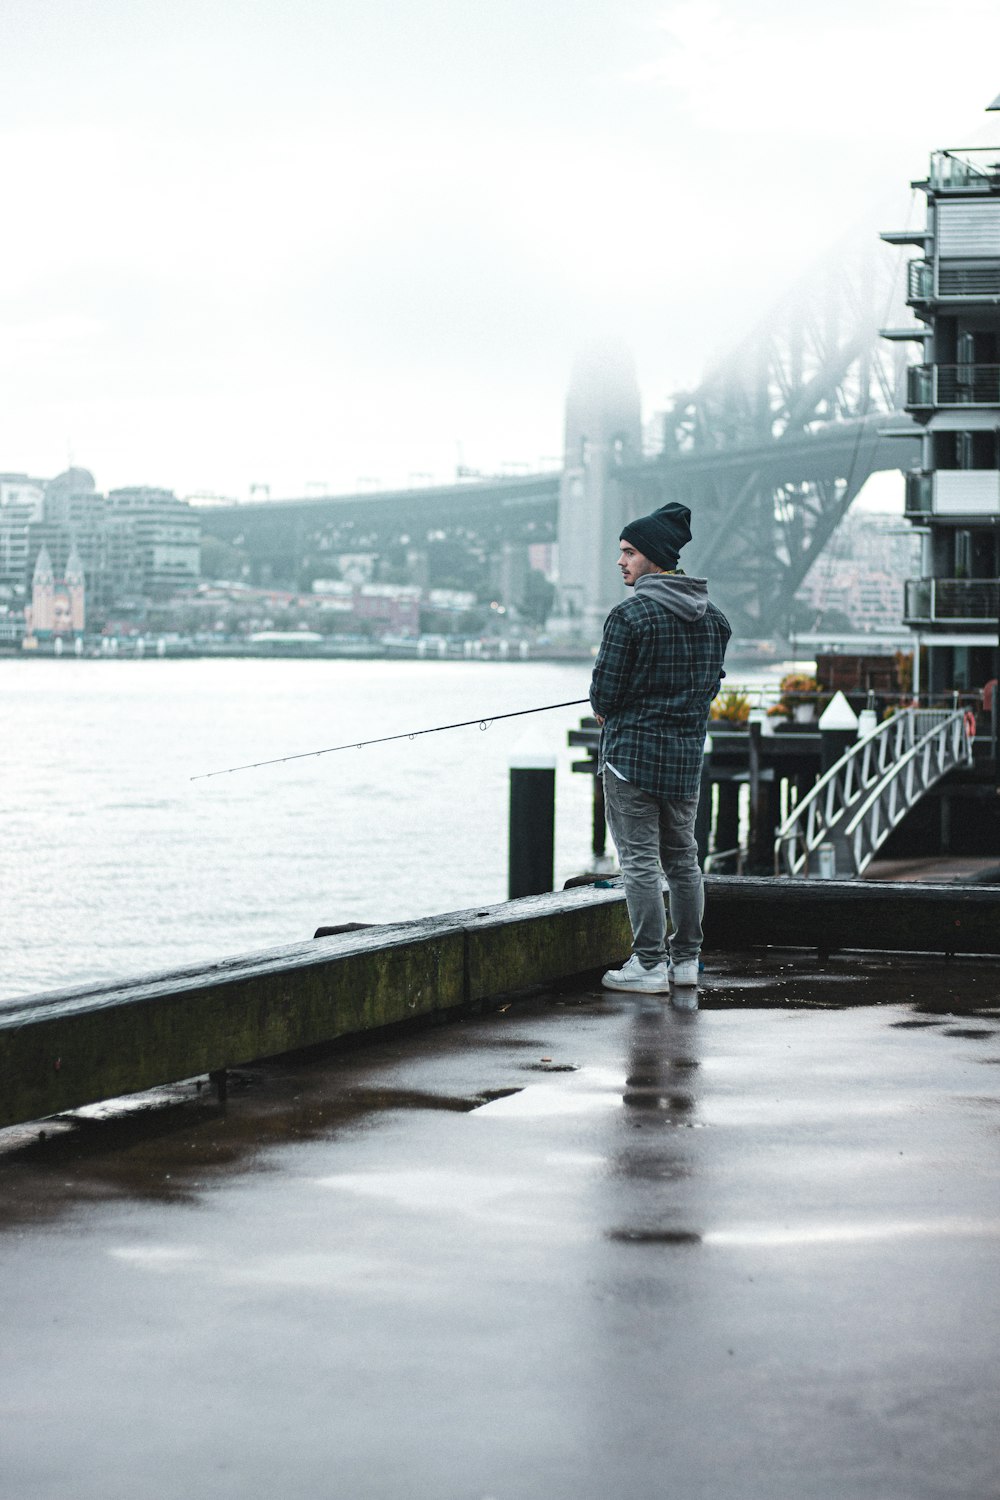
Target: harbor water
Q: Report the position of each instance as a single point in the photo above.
(113, 862)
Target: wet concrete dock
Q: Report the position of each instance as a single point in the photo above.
(570, 1249)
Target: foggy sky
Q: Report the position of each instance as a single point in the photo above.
(303, 241)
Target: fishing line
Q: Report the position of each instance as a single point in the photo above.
(412, 734)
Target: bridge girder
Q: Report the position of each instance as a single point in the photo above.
(288, 538)
(774, 445)
(769, 451)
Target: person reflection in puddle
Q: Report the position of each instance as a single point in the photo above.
(654, 1159)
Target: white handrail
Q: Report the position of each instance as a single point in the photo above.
(867, 777)
(939, 751)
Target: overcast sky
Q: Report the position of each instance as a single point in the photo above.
(293, 242)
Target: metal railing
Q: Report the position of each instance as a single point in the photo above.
(970, 167)
(920, 281)
(739, 854)
(967, 280)
(854, 807)
(972, 600)
(919, 494)
(953, 385)
(964, 280)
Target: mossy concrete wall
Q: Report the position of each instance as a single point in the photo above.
(73, 1047)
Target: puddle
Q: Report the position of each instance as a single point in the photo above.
(539, 1100)
(851, 1234)
(170, 1145)
(651, 1099)
(655, 1236)
(428, 1190)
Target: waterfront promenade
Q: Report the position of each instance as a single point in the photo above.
(573, 1248)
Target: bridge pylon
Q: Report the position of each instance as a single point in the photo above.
(603, 441)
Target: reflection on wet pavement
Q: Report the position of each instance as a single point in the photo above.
(556, 1253)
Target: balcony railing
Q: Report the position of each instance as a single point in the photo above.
(975, 167)
(968, 601)
(920, 281)
(919, 495)
(957, 280)
(968, 281)
(953, 385)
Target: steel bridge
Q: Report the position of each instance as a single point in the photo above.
(769, 451)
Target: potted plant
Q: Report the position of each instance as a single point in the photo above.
(799, 694)
(730, 710)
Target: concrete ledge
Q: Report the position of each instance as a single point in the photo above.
(73, 1047)
(837, 914)
(61, 1050)
(540, 939)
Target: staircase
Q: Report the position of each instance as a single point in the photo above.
(837, 828)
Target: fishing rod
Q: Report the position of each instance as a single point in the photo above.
(384, 739)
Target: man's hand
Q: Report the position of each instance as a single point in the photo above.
(599, 718)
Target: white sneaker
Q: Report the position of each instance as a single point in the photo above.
(684, 973)
(634, 977)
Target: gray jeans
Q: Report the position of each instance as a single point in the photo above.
(654, 837)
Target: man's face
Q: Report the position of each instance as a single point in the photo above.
(633, 564)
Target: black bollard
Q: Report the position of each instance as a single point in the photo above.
(760, 835)
(599, 842)
(531, 844)
(727, 827)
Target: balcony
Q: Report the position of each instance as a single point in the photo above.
(919, 496)
(964, 280)
(976, 169)
(968, 280)
(953, 385)
(955, 493)
(955, 601)
(920, 281)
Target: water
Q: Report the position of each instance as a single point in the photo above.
(114, 863)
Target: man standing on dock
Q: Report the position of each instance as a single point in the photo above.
(658, 669)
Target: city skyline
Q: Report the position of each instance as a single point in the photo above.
(307, 247)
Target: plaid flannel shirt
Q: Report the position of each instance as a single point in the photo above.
(654, 678)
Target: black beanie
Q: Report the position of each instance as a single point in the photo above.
(660, 536)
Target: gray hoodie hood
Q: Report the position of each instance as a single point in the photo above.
(685, 597)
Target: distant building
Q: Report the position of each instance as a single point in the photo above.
(394, 607)
(165, 538)
(134, 545)
(861, 572)
(21, 504)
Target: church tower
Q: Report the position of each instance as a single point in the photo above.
(43, 587)
(603, 438)
(75, 591)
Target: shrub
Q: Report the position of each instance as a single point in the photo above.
(730, 707)
(796, 688)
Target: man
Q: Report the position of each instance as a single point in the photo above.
(658, 669)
